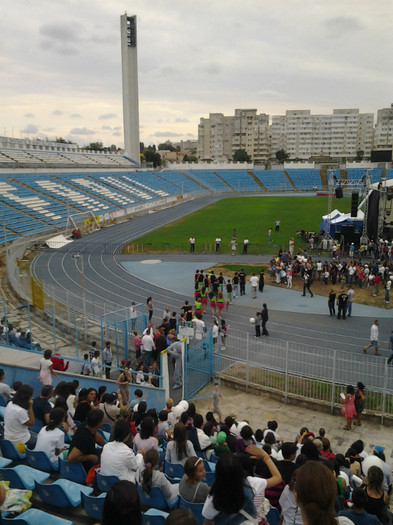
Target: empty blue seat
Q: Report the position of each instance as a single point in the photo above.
(195, 508)
(22, 476)
(36, 517)
(154, 517)
(104, 483)
(62, 493)
(173, 471)
(93, 505)
(4, 462)
(73, 471)
(9, 450)
(40, 460)
(156, 499)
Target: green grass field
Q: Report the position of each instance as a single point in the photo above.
(251, 216)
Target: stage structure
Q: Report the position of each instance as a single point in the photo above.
(357, 187)
(129, 69)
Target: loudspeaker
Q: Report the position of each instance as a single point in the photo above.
(354, 204)
(339, 192)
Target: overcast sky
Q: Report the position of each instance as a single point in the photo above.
(61, 73)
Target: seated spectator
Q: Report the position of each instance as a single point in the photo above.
(178, 450)
(287, 466)
(149, 477)
(203, 440)
(140, 413)
(221, 446)
(18, 416)
(145, 438)
(191, 487)
(354, 463)
(230, 438)
(377, 499)
(138, 397)
(41, 406)
(85, 404)
(245, 439)
(357, 513)
(50, 438)
(290, 513)
(5, 391)
(83, 445)
(259, 438)
(117, 459)
(269, 439)
(326, 451)
(69, 423)
(110, 408)
(162, 426)
(122, 505)
(181, 517)
(316, 494)
(272, 427)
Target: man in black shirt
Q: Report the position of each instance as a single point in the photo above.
(242, 281)
(286, 466)
(342, 304)
(41, 405)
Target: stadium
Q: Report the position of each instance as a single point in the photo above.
(86, 235)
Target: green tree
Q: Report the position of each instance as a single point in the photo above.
(282, 156)
(190, 158)
(166, 146)
(95, 146)
(241, 155)
(153, 157)
(359, 155)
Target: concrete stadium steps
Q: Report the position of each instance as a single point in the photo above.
(224, 181)
(290, 180)
(257, 181)
(189, 177)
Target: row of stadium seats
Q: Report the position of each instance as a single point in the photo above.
(39, 202)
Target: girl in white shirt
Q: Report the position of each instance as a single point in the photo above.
(50, 438)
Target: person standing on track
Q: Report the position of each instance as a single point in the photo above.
(265, 318)
(254, 285)
(107, 357)
(374, 333)
(242, 282)
(191, 240)
(150, 307)
(218, 244)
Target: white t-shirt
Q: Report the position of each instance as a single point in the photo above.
(148, 343)
(254, 281)
(96, 368)
(48, 441)
(117, 459)
(14, 428)
(5, 391)
(171, 454)
(199, 328)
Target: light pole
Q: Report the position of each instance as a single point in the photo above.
(82, 270)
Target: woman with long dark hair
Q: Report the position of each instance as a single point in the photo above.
(178, 450)
(50, 438)
(122, 505)
(18, 416)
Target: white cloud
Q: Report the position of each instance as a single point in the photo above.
(31, 128)
(30, 115)
(215, 57)
(82, 131)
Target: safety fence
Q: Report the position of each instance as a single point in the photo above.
(306, 372)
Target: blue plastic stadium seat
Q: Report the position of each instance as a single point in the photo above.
(23, 477)
(156, 499)
(72, 471)
(104, 483)
(40, 460)
(154, 517)
(62, 493)
(273, 516)
(93, 505)
(9, 450)
(195, 508)
(173, 471)
(36, 517)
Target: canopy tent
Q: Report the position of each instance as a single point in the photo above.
(338, 219)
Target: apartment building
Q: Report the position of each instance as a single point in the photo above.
(341, 134)
(220, 136)
(383, 137)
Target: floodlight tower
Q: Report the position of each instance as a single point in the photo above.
(129, 67)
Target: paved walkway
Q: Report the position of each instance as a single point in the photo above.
(179, 279)
(259, 409)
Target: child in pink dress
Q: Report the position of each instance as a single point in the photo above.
(348, 410)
